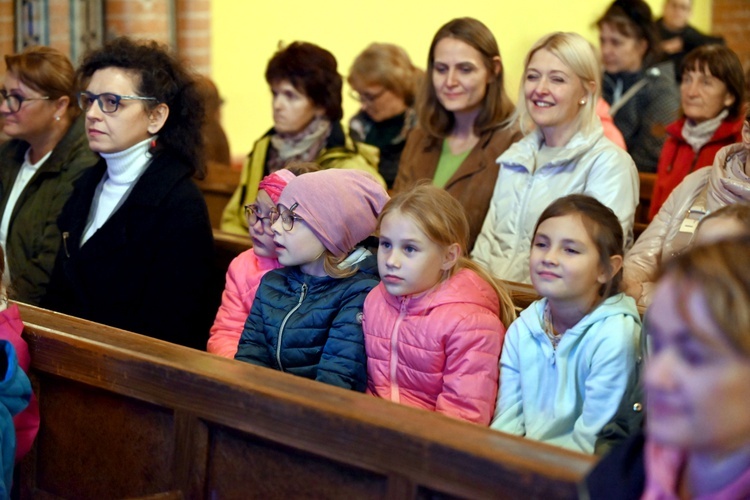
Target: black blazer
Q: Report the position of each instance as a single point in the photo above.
(149, 268)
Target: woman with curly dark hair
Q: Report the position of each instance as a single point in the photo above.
(137, 246)
(306, 100)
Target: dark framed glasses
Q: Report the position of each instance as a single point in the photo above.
(253, 215)
(367, 98)
(287, 217)
(14, 101)
(108, 102)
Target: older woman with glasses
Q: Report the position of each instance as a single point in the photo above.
(46, 154)
(384, 81)
(306, 100)
(137, 245)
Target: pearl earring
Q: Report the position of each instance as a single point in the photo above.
(57, 118)
(582, 102)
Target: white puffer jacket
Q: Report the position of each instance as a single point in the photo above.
(727, 183)
(588, 164)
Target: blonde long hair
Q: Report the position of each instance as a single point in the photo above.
(442, 218)
(579, 55)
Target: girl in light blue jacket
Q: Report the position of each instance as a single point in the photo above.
(569, 358)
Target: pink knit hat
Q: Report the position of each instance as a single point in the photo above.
(274, 183)
(340, 206)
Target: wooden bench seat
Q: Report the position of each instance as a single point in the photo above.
(127, 416)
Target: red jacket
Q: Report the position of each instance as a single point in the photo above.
(678, 158)
(26, 422)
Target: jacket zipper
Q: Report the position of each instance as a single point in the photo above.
(395, 391)
(283, 324)
(65, 236)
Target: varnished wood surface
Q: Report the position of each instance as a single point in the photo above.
(126, 416)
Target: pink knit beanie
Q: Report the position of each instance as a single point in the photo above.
(340, 206)
(274, 183)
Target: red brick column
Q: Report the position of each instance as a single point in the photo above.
(731, 19)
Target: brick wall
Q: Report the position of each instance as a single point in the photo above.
(150, 19)
(138, 19)
(59, 33)
(731, 19)
(7, 29)
(194, 33)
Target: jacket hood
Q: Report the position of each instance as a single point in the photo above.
(523, 153)
(728, 182)
(367, 268)
(464, 287)
(619, 304)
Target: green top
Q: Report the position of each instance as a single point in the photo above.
(447, 165)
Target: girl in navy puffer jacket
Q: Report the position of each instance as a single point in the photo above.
(307, 317)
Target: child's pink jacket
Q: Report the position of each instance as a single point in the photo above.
(242, 281)
(26, 422)
(439, 350)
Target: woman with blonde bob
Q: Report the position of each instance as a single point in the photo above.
(697, 439)
(564, 152)
(464, 119)
(384, 81)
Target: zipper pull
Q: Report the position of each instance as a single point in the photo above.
(65, 236)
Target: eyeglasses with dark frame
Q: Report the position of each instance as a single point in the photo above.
(287, 217)
(366, 98)
(253, 215)
(108, 102)
(15, 102)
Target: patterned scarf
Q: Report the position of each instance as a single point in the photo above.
(301, 146)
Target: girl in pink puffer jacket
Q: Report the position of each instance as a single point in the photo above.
(434, 326)
(246, 270)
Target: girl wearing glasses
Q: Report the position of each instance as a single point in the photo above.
(47, 152)
(307, 316)
(306, 101)
(385, 82)
(246, 270)
(137, 248)
(464, 116)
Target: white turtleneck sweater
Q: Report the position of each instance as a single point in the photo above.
(124, 168)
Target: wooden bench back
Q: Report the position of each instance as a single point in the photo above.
(127, 416)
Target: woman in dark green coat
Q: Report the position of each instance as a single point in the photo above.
(47, 152)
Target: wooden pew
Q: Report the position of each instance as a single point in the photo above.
(126, 416)
(217, 189)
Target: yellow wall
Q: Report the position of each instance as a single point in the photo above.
(246, 34)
